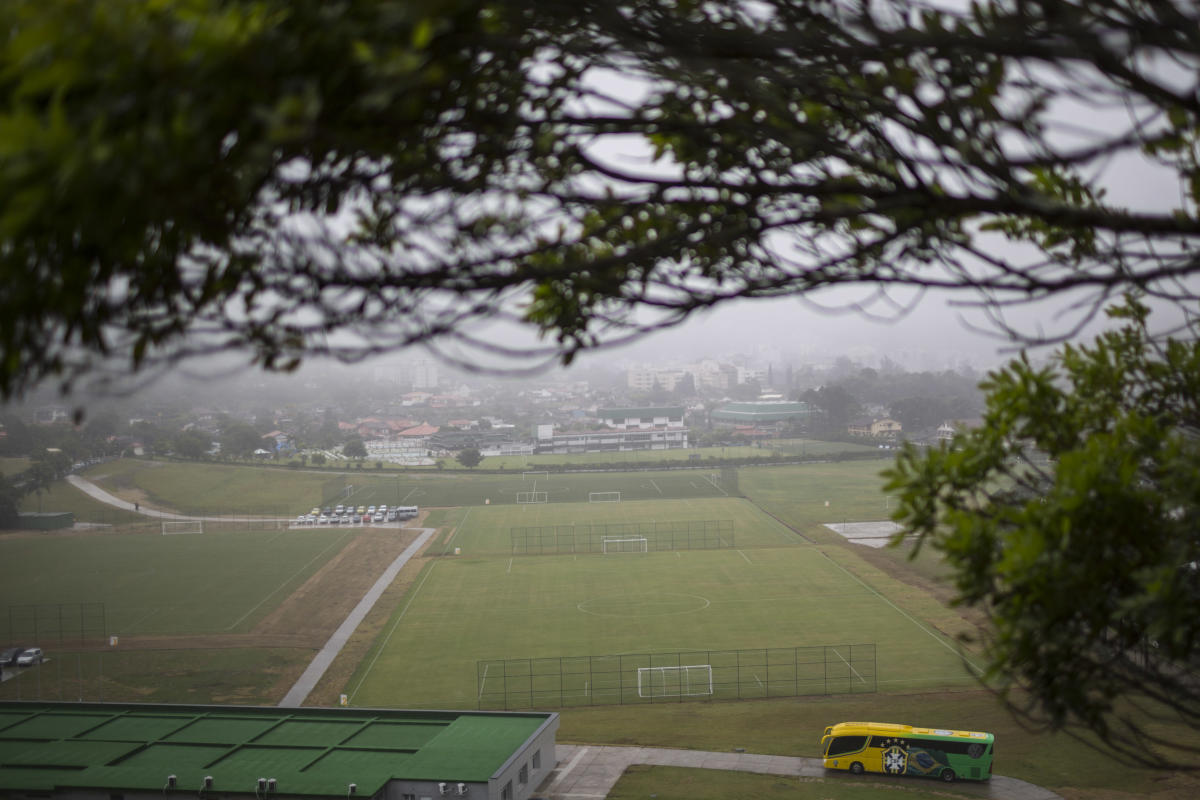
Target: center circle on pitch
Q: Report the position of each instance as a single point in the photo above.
(650, 604)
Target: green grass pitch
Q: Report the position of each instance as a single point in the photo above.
(468, 609)
(206, 583)
(775, 591)
(212, 489)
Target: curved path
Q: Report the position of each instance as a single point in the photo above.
(589, 772)
(95, 492)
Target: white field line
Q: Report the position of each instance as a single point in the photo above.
(410, 492)
(903, 613)
(692, 484)
(509, 570)
(238, 621)
(714, 483)
(743, 555)
(388, 638)
(760, 683)
(851, 666)
(655, 485)
(457, 528)
(483, 681)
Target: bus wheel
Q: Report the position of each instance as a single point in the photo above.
(856, 768)
(948, 775)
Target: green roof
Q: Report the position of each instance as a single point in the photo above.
(760, 412)
(49, 746)
(640, 413)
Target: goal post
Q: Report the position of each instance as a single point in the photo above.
(693, 680)
(182, 526)
(604, 497)
(631, 544)
(534, 474)
(533, 497)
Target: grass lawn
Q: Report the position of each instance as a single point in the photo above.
(793, 727)
(808, 496)
(214, 489)
(11, 466)
(153, 584)
(680, 783)
(196, 676)
(788, 447)
(488, 530)
(62, 496)
(466, 609)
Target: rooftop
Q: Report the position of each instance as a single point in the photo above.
(313, 752)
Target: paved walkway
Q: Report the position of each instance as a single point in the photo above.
(322, 661)
(588, 772)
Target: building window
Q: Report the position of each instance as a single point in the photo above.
(408, 796)
(523, 775)
(537, 759)
(506, 792)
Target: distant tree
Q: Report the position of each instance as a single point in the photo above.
(10, 498)
(469, 457)
(192, 444)
(837, 406)
(239, 440)
(355, 448)
(319, 459)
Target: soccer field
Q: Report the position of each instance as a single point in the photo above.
(488, 530)
(206, 583)
(529, 488)
(463, 610)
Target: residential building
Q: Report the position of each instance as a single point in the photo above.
(608, 440)
(641, 418)
(874, 428)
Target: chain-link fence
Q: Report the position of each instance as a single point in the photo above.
(675, 676)
(54, 623)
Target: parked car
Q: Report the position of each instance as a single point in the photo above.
(316, 512)
(362, 510)
(392, 515)
(30, 656)
(346, 520)
(8, 656)
(378, 517)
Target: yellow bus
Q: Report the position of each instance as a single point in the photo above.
(904, 750)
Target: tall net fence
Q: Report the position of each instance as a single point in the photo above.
(334, 490)
(702, 534)
(54, 623)
(675, 676)
(727, 481)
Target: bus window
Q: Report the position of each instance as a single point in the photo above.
(846, 744)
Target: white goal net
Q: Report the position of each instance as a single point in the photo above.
(533, 497)
(535, 475)
(182, 526)
(604, 497)
(689, 681)
(633, 544)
